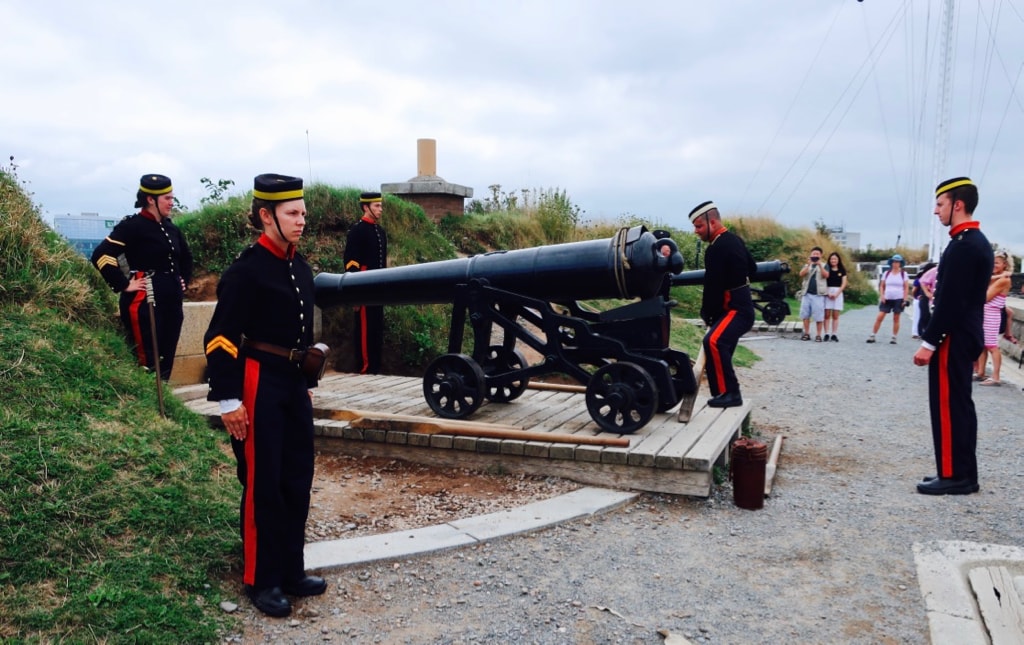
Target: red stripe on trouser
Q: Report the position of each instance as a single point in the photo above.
(250, 537)
(945, 414)
(716, 356)
(133, 314)
(363, 341)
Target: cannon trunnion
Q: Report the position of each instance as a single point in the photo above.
(622, 355)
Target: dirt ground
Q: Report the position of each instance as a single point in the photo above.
(355, 496)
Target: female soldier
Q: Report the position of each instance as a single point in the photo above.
(148, 249)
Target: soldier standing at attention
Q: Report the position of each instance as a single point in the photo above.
(366, 248)
(148, 247)
(256, 345)
(953, 340)
(727, 306)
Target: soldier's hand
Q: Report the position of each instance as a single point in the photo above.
(236, 422)
(923, 356)
(136, 284)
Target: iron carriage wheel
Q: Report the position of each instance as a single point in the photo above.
(622, 397)
(453, 386)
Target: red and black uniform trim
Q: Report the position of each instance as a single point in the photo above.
(955, 329)
(726, 306)
(267, 296)
(366, 248)
(139, 245)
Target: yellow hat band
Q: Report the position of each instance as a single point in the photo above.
(156, 191)
(945, 188)
(278, 197)
(371, 200)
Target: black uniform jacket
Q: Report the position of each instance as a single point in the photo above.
(727, 265)
(964, 272)
(146, 245)
(366, 247)
(266, 296)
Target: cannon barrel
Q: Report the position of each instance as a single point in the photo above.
(766, 272)
(631, 264)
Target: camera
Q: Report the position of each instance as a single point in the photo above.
(815, 260)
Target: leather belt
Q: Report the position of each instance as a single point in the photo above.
(294, 355)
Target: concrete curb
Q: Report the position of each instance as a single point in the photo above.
(401, 544)
(942, 572)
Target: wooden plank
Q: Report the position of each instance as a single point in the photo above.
(671, 456)
(651, 440)
(1000, 605)
(688, 401)
(770, 467)
(713, 442)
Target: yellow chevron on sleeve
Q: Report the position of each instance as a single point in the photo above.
(106, 260)
(220, 342)
(113, 241)
(351, 263)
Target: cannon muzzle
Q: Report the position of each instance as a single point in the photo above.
(632, 264)
(771, 271)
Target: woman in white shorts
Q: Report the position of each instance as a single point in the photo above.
(836, 282)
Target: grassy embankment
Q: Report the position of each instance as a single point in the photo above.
(116, 525)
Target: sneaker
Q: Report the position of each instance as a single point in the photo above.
(892, 341)
(871, 338)
(825, 338)
(835, 339)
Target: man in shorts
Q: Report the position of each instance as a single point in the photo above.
(812, 303)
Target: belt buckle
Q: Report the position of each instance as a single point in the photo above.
(295, 355)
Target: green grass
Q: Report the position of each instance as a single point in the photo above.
(116, 525)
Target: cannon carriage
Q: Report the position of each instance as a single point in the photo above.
(621, 356)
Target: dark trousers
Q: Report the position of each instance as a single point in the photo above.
(924, 311)
(954, 421)
(719, 344)
(169, 317)
(275, 468)
(369, 338)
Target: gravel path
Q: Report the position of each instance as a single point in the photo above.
(827, 560)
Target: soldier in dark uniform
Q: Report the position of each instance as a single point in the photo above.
(147, 248)
(366, 248)
(261, 327)
(727, 306)
(953, 340)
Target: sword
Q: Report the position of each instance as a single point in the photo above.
(151, 302)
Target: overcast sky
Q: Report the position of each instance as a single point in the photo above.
(803, 110)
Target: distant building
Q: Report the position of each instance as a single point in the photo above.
(84, 232)
(845, 238)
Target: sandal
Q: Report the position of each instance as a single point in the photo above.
(817, 339)
(805, 337)
(977, 377)
(990, 382)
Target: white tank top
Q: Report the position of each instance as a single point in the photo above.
(894, 285)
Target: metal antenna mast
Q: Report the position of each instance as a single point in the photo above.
(946, 46)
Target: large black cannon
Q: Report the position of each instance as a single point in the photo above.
(622, 355)
(769, 299)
